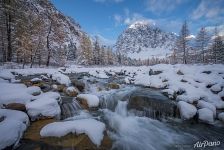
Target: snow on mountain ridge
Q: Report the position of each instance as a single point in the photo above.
(138, 24)
(142, 40)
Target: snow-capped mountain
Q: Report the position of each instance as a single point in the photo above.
(141, 40)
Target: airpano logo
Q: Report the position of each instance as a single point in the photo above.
(206, 143)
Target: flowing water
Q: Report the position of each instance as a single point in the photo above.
(139, 118)
(144, 126)
(69, 108)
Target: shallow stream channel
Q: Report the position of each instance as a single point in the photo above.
(136, 118)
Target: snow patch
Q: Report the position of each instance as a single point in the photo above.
(92, 100)
(12, 127)
(61, 78)
(93, 128)
(46, 105)
(14, 93)
(187, 111)
(203, 104)
(206, 115)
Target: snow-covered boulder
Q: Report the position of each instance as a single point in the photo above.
(203, 104)
(93, 128)
(88, 100)
(187, 111)
(206, 115)
(36, 80)
(216, 88)
(221, 116)
(71, 91)
(53, 95)
(45, 106)
(34, 90)
(6, 75)
(12, 126)
(14, 93)
(43, 77)
(61, 78)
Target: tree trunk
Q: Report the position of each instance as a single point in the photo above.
(3, 47)
(48, 45)
(9, 30)
(34, 56)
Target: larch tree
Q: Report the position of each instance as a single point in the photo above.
(86, 51)
(96, 51)
(71, 51)
(182, 42)
(55, 35)
(202, 40)
(102, 55)
(8, 13)
(217, 48)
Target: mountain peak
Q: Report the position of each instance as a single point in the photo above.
(140, 23)
(143, 40)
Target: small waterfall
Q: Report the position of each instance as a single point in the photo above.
(152, 104)
(121, 108)
(131, 132)
(110, 100)
(69, 109)
(155, 109)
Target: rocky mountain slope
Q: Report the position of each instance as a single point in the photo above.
(70, 26)
(142, 40)
(37, 33)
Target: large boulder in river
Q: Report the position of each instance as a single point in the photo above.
(187, 111)
(79, 84)
(152, 104)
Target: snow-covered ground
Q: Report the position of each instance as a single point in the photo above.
(192, 82)
(149, 53)
(197, 89)
(12, 126)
